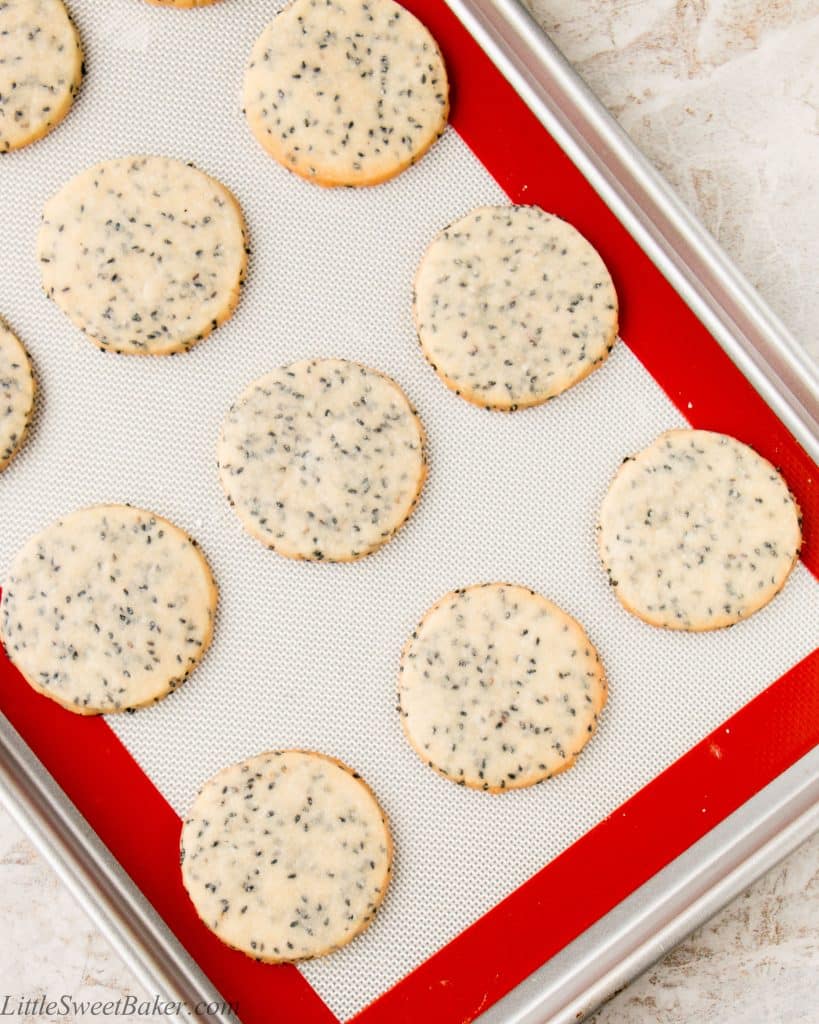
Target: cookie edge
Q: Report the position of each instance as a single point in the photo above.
(213, 599)
(22, 437)
(724, 621)
(388, 872)
(529, 402)
(249, 525)
(221, 317)
(68, 100)
(535, 778)
(327, 181)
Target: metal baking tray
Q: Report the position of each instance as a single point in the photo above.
(746, 842)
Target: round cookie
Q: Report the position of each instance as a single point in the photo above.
(499, 688)
(17, 390)
(41, 67)
(513, 306)
(145, 254)
(346, 92)
(697, 531)
(286, 856)
(108, 609)
(322, 460)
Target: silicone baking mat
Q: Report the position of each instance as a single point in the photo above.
(485, 889)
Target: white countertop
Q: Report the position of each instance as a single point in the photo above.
(723, 95)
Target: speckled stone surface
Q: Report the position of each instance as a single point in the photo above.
(723, 95)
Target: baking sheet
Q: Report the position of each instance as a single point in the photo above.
(306, 655)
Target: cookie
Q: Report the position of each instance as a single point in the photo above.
(17, 389)
(513, 306)
(41, 67)
(499, 688)
(697, 531)
(322, 460)
(286, 856)
(346, 92)
(145, 254)
(108, 609)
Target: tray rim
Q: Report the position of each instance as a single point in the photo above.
(670, 905)
(98, 882)
(746, 843)
(691, 260)
(698, 883)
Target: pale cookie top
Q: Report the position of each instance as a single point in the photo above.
(513, 306)
(16, 395)
(145, 254)
(40, 69)
(286, 855)
(108, 609)
(499, 688)
(697, 531)
(322, 459)
(346, 92)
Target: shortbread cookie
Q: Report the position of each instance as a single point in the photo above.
(346, 92)
(108, 609)
(697, 531)
(40, 69)
(286, 856)
(499, 688)
(145, 254)
(322, 459)
(513, 306)
(17, 390)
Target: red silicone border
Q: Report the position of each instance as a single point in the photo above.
(658, 823)
(499, 950)
(642, 836)
(655, 323)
